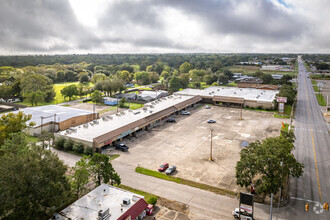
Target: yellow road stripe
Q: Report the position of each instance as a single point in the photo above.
(317, 172)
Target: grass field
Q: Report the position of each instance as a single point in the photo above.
(249, 70)
(184, 181)
(58, 98)
(321, 100)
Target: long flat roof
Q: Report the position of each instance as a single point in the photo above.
(101, 198)
(258, 95)
(116, 122)
(48, 111)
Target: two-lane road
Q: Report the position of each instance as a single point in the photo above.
(312, 148)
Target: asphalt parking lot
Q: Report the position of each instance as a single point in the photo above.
(186, 143)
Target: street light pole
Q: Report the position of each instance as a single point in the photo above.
(211, 129)
(279, 197)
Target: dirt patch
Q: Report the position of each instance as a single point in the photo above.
(173, 205)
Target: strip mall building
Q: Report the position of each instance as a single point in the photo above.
(112, 128)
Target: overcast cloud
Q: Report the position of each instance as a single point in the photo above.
(143, 26)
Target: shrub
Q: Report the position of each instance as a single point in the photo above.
(59, 143)
(78, 147)
(152, 200)
(68, 144)
(88, 150)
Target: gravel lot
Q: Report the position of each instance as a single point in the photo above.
(186, 143)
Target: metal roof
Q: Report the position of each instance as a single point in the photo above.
(47, 112)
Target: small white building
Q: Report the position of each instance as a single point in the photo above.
(106, 202)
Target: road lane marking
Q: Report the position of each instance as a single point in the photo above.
(317, 172)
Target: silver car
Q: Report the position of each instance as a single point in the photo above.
(170, 170)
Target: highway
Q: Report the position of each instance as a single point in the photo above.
(312, 148)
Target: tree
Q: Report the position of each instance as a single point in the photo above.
(102, 171)
(260, 163)
(122, 103)
(83, 77)
(289, 92)
(228, 73)
(69, 91)
(45, 136)
(37, 87)
(142, 78)
(125, 75)
(266, 78)
(98, 77)
(175, 84)
(97, 96)
(154, 77)
(70, 76)
(81, 90)
(223, 79)
(13, 123)
(34, 97)
(184, 80)
(80, 176)
(40, 185)
(209, 79)
(185, 67)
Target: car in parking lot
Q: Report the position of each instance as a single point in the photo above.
(170, 120)
(244, 214)
(185, 113)
(211, 121)
(163, 167)
(170, 170)
(122, 147)
(207, 107)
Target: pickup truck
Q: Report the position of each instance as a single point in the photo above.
(122, 147)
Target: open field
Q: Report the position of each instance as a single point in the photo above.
(58, 98)
(249, 70)
(186, 144)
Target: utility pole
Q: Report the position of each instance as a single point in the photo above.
(279, 197)
(271, 206)
(211, 129)
(241, 111)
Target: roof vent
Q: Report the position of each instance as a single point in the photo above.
(136, 112)
(85, 125)
(123, 113)
(96, 122)
(150, 111)
(126, 201)
(130, 110)
(151, 106)
(104, 119)
(234, 92)
(109, 116)
(102, 215)
(118, 114)
(218, 89)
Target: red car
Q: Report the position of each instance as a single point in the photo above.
(163, 167)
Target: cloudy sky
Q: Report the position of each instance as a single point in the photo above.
(163, 26)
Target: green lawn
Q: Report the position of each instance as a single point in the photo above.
(148, 197)
(32, 139)
(316, 89)
(184, 181)
(58, 98)
(313, 81)
(321, 100)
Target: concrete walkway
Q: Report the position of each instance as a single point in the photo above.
(202, 204)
